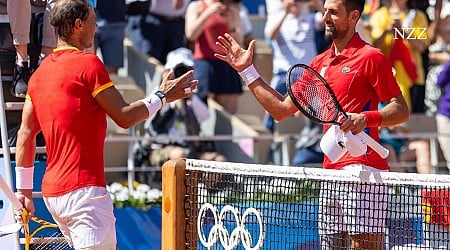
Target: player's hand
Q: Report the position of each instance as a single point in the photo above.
(355, 123)
(178, 88)
(28, 209)
(233, 54)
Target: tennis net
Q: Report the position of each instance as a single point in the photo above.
(224, 205)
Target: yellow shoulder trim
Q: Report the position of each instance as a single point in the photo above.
(65, 48)
(101, 88)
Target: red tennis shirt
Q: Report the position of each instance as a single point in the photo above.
(63, 91)
(361, 77)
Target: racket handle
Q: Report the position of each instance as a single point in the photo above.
(376, 146)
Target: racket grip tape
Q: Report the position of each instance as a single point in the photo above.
(376, 146)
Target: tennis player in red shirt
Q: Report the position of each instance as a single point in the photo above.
(68, 99)
(361, 77)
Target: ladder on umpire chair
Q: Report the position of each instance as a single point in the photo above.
(6, 151)
(12, 106)
(8, 217)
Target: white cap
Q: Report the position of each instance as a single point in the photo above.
(332, 143)
(179, 56)
(354, 144)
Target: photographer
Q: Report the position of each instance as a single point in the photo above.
(177, 120)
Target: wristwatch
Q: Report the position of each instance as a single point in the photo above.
(161, 96)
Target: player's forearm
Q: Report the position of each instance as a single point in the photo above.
(272, 101)
(395, 112)
(25, 149)
(130, 114)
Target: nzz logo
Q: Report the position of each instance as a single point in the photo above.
(411, 33)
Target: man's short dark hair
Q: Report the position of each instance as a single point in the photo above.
(351, 5)
(65, 13)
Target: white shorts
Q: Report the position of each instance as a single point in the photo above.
(354, 208)
(85, 217)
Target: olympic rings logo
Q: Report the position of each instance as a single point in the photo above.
(218, 230)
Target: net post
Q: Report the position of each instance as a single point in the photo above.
(173, 215)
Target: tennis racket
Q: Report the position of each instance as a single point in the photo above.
(49, 235)
(313, 96)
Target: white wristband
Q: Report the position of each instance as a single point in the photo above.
(153, 104)
(249, 74)
(24, 177)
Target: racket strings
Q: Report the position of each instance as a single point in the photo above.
(313, 96)
(53, 241)
(47, 236)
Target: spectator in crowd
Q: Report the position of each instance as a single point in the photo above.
(177, 120)
(443, 113)
(291, 31)
(19, 13)
(111, 23)
(399, 29)
(205, 20)
(163, 27)
(246, 25)
(439, 54)
(136, 10)
(395, 145)
(435, 25)
(403, 151)
(363, 26)
(392, 27)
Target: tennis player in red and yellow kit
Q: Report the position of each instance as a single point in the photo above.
(361, 77)
(68, 99)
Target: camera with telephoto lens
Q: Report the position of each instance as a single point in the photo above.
(180, 70)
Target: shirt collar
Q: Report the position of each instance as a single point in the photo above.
(65, 48)
(355, 44)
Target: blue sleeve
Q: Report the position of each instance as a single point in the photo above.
(444, 77)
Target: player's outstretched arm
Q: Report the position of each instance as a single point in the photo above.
(126, 115)
(280, 107)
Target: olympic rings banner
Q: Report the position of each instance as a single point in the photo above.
(217, 223)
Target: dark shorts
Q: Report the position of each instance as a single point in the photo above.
(417, 98)
(109, 38)
(216, 77)
(163, 35)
